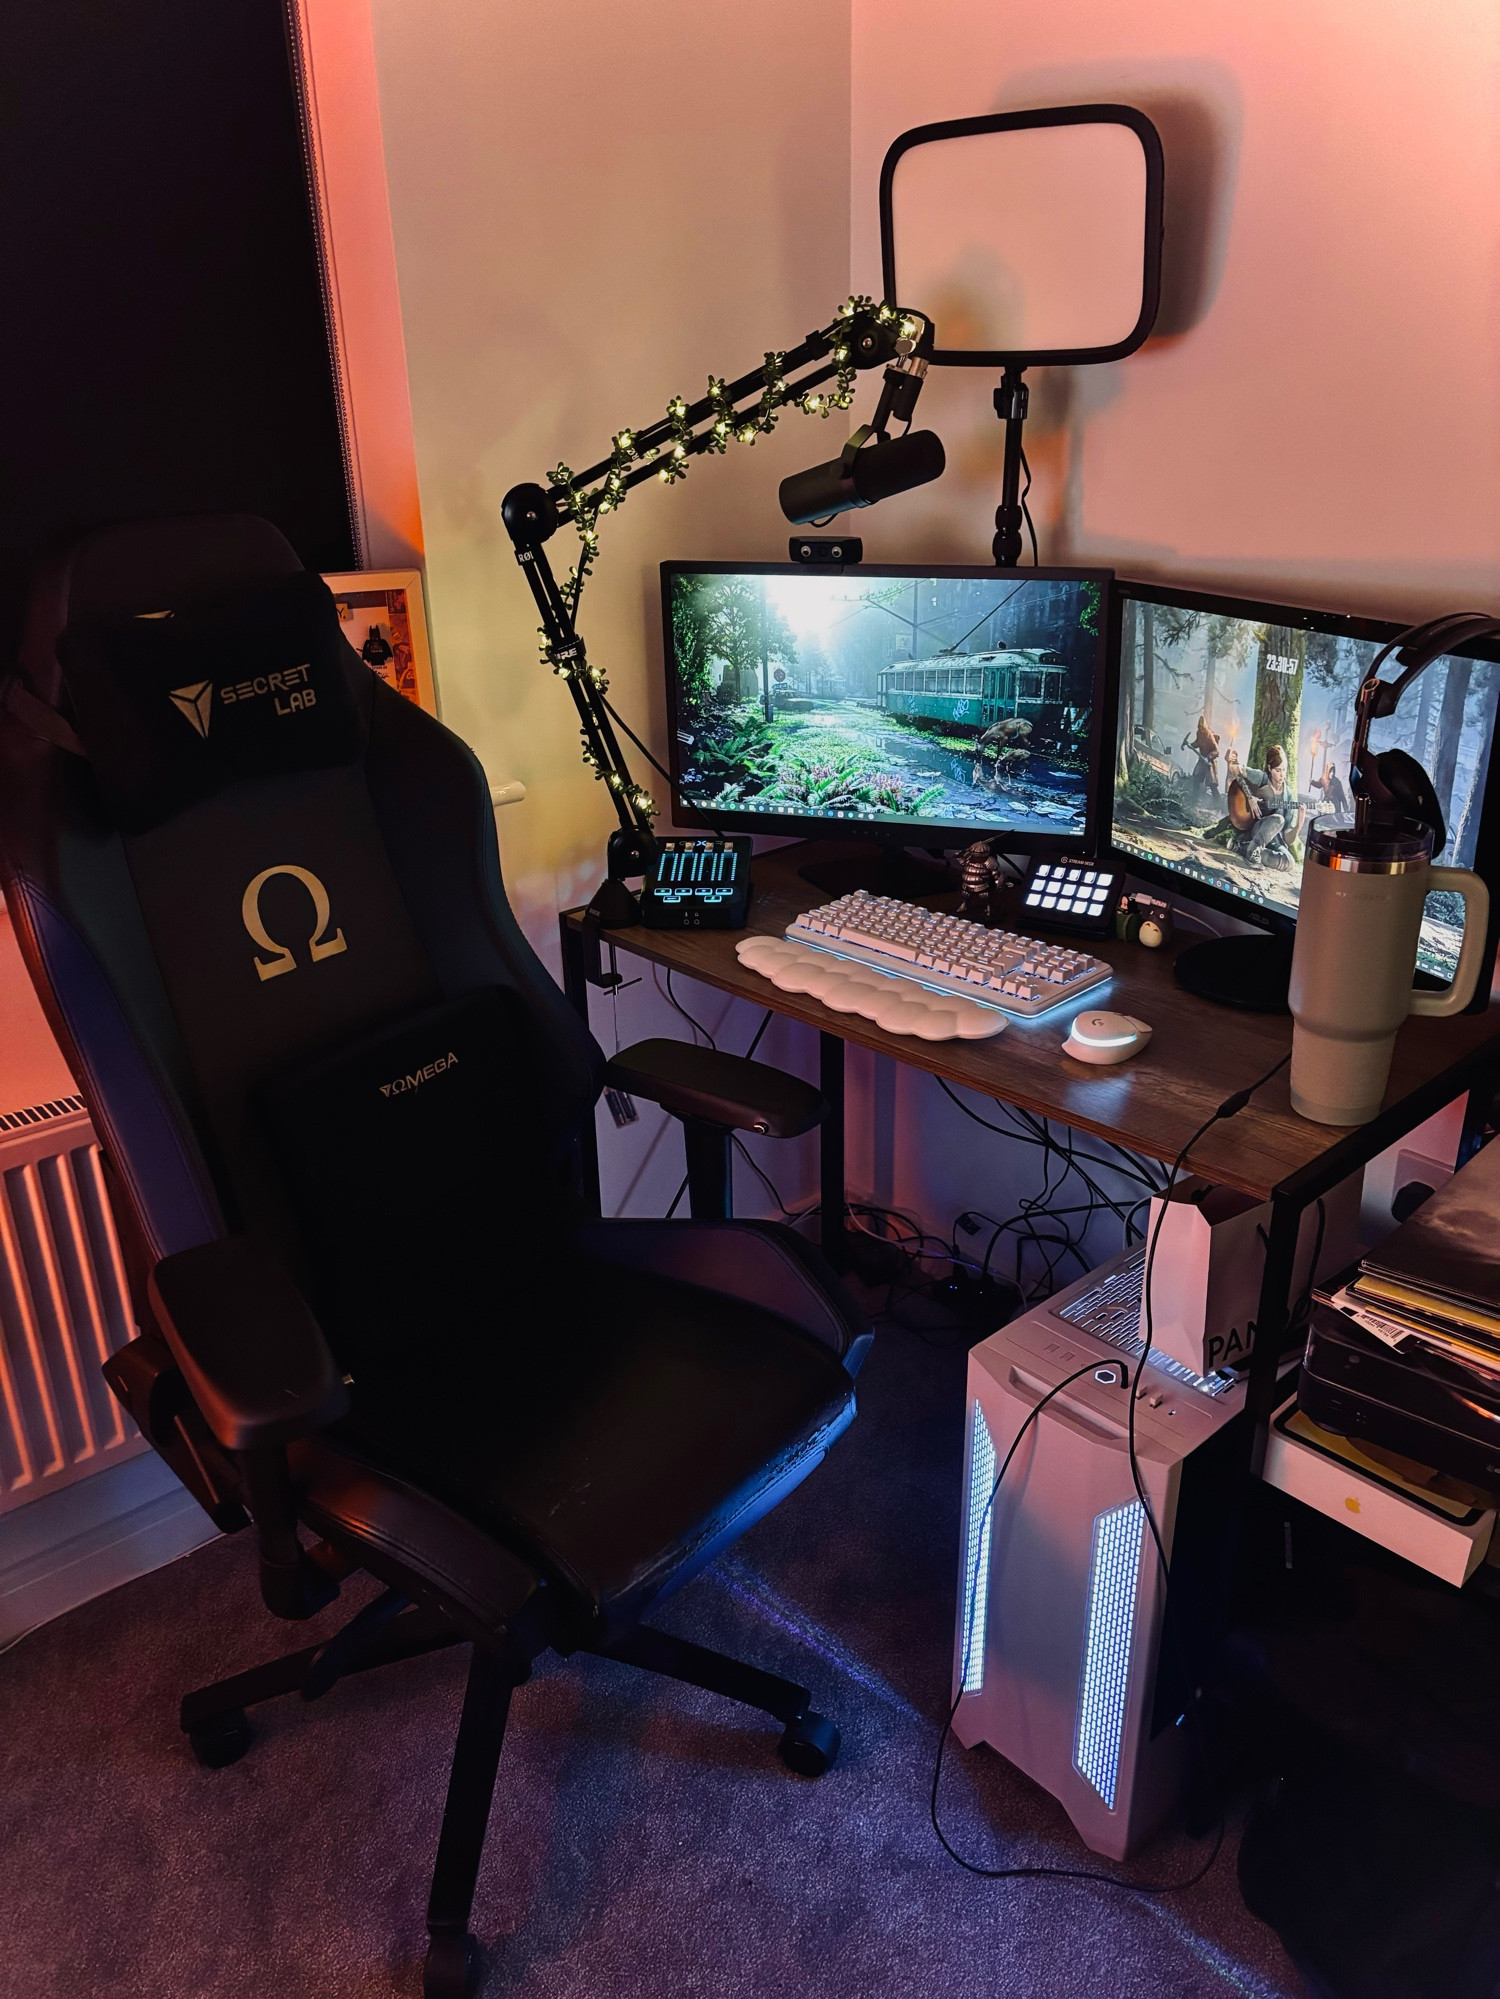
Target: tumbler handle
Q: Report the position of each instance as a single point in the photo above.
(1454, 998)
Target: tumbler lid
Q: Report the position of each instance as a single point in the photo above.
(1381, 851)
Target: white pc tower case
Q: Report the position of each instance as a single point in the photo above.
(1059, 1649)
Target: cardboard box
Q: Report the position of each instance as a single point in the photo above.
(1446, 1535)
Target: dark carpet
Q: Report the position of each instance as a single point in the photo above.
(646, 1840)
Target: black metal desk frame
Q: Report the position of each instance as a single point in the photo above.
(1478, 1073)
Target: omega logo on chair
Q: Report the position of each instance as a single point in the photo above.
(283, 959)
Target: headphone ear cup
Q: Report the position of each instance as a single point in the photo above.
(1407, 787)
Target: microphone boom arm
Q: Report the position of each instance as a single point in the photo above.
(861, 335)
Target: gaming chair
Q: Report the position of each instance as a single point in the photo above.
(260, 898)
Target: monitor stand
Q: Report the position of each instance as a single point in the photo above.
(883, 870)
(1248, 972)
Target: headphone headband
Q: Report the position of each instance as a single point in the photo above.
(1415, 648)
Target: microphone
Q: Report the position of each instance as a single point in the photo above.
(875, 473)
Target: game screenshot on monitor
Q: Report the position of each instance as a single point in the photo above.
(1235, 724)
(960, 701)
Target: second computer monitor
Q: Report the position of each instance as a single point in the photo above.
(917, 706)
(1235, 723)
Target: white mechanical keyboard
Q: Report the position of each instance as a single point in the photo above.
(948, 954)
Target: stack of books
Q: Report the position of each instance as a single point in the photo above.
(1433, 1287)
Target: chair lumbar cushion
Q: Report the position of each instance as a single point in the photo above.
(417, 1170)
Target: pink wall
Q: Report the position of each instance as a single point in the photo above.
(1318, 419)
(595, 205)
(1327, 428)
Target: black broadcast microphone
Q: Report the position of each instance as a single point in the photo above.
(859, 478)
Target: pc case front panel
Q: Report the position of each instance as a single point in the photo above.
(1047, 1694)
(1068, 1590)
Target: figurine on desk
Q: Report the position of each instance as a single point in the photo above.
(984, 883)
(1144, 919)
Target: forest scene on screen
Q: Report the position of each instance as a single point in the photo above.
(949, 701)
(1234, 737)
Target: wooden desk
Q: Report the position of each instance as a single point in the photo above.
(1199, 1054)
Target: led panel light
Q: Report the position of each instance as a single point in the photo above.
(977, 1553)
(1104, 1682)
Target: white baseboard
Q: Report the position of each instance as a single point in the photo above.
(69, 1546)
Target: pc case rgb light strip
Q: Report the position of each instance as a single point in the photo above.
(977, 1554)
(1105, 1680)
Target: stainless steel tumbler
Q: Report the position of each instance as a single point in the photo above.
(1358, 923)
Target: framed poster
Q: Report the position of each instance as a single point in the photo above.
(384, 619)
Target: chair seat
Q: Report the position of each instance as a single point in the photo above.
(615, 1432)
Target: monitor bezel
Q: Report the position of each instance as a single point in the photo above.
(1379, 631)
(926, 833)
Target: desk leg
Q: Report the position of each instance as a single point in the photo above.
(1272, 1319)
(576, 990)
(831, 1140)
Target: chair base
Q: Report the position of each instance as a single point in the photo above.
(363, 1644)
(387, 1630)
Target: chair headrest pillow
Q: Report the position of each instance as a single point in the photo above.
(172, 707)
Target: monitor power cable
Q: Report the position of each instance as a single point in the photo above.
(1026, 511)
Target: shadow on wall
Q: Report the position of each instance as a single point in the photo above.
(1198, 110)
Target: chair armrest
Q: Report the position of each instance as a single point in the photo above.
(693, 1082)
(253, 1356)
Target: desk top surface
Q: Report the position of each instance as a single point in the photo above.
(1198, 1055)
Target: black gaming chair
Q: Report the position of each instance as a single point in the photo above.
(260, 897)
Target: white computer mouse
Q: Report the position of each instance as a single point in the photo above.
(1105, 1038)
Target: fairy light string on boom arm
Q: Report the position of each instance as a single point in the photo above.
(816, 378)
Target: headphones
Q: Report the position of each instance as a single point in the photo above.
(1392, 790)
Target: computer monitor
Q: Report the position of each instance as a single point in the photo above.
(915, 707)
(1234, 725)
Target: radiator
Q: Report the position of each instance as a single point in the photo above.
(64, 1306)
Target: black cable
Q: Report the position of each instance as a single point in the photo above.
(1026, 511)
(764, 1177)
(1033, 1873)
(1302, 1311)
(677, 1006)
(765, 1023)
(1028, 1130)
(661, 770)
(617, 717)
(1126, 1163)
(676, 1198)
(1037, 1133)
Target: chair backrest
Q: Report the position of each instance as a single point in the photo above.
(269, 889)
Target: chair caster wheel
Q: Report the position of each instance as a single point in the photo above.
(221, 1740)
(452, 1968)
(810, 1746)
